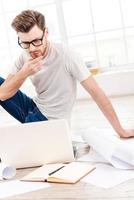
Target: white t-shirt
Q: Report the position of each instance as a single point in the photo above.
(55, 84)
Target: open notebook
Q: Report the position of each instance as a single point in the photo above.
(60, 173)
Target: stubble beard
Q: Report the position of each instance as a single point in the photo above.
(38, 53)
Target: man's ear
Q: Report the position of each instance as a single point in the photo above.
(46, 32)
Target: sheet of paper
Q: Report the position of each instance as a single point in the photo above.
(103, 175)
(76, 135)
(17, 187)
(118, 152)
(93, 156)
(6, 171)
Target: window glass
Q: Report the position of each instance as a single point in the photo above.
(3, 32)
(39, 2)
(85, 46)
(11, 5)
(128, 12)
(106, 14)
(111, 49)
(51, 20)
(77, 17)
(130, 44)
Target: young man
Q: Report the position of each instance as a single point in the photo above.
(53, 70)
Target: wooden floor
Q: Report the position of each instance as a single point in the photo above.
(85, 114)
(79, 191)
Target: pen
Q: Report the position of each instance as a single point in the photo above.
(55, 171)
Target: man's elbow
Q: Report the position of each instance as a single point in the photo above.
(4, 97)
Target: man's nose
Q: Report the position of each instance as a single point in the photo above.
(31, 47)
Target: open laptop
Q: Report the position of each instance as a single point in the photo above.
(35, 144)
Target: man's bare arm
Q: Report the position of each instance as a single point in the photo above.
(11, 86)
(105, 105)
(13, 82)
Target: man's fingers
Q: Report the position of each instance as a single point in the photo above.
(36, 67)
(32, 61)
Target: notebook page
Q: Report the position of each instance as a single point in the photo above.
(72, 172)
(42, 173)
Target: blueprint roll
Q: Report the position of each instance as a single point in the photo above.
(117, 151)
(6, 171)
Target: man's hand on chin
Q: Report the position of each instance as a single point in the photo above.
(36, 54)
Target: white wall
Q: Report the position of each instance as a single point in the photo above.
(113, 83)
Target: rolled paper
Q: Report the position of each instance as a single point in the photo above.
(7, 171)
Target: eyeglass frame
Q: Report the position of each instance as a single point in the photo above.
(41, 39)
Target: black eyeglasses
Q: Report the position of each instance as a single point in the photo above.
(36, 42)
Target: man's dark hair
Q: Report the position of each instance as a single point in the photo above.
(27, 19)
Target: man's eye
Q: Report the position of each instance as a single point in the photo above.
(24, 43)
(37, 42)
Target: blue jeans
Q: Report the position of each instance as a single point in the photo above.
(22, 108)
